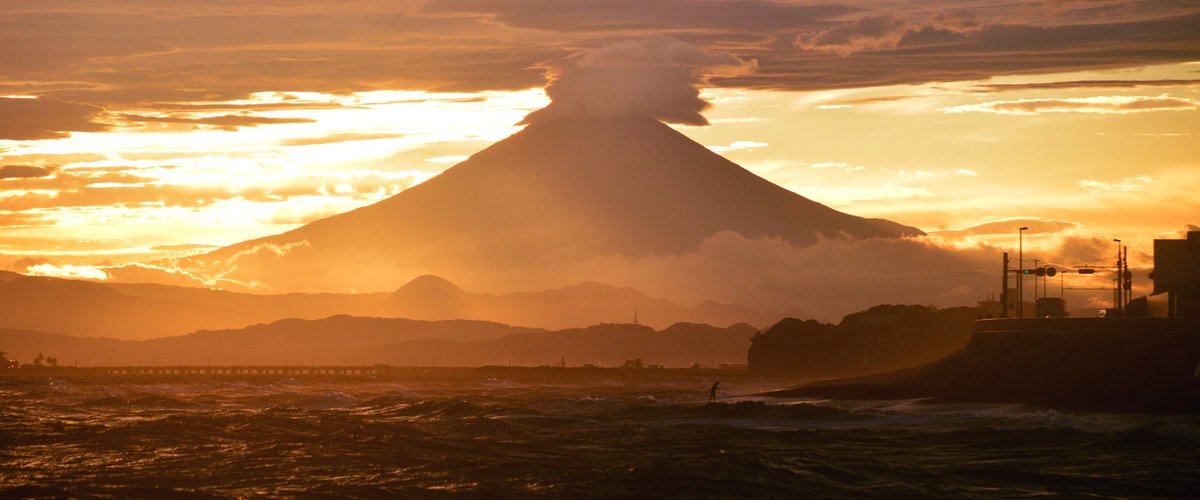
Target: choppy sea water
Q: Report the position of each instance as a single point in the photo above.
(488, 435)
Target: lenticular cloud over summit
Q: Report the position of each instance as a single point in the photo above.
(655, 76)
(598, 188)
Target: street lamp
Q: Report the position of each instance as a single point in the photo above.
(1021, 271)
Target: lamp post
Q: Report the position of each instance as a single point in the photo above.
(1021, 271)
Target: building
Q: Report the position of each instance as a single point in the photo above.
(1176, 277)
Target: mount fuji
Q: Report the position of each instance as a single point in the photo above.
(557, 191)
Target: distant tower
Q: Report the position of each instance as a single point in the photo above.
(635, 320)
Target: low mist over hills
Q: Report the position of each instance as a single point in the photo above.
(143, 311)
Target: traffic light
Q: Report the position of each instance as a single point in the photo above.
(1128, 281)
(1041, 271)
(1027, 271)
(1050, 271)
(1087, 271)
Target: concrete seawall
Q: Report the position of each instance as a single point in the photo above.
(1134, 365)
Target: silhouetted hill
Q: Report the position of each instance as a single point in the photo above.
(81, 308)
(583, 304)
(25, 345)
(603, 345)
(142, 311)
(431, 297)
(562, 191)
(266, 307)
(434, 298)
(337, 339)
(885, 337)
(354, 340)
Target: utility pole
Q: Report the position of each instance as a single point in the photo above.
(1035, 281)
(1004, 288)
(1126, 280)
(1021, 271)
(1044, 279)
(1117, 285)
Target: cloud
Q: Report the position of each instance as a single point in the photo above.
(1124, 185)
(67, 271)
(166, 275)
(46, 118)
(850, 103)
(443, 160)
(867, 33)
(269, 250)
(1083, 84)
(1009, 227)
(338, 138)
(656, 76)
(841, 195)
(887, 31)
(222, 122)
(64, 50)
(23, 263)
(625, 16)
(959, 20)
(836, 166)
(738, 145)
(185, 247)
(24, 171)
(829, 278)
(1077, 250)
(126, 55)
(1100, 104)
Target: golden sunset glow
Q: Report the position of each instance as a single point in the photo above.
(599, 249)
(140, 191)
(204, 129)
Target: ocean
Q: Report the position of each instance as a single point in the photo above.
(527, 434)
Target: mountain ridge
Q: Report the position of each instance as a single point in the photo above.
(144, 310)
(357, 340)
(567, 190)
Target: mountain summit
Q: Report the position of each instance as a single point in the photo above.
(562, 190)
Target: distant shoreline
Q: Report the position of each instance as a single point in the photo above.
(367, 372)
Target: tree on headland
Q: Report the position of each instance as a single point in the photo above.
(5, 363)
(884, 337)
(38, 360)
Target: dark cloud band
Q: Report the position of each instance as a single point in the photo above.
(118, 55)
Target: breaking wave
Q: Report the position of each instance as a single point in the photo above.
(510, 438)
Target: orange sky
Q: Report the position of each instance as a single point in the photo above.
(131, 130)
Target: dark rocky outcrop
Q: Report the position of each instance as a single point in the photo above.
(1128, 365)
(882, 338)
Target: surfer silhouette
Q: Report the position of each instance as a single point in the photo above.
(712, 392)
